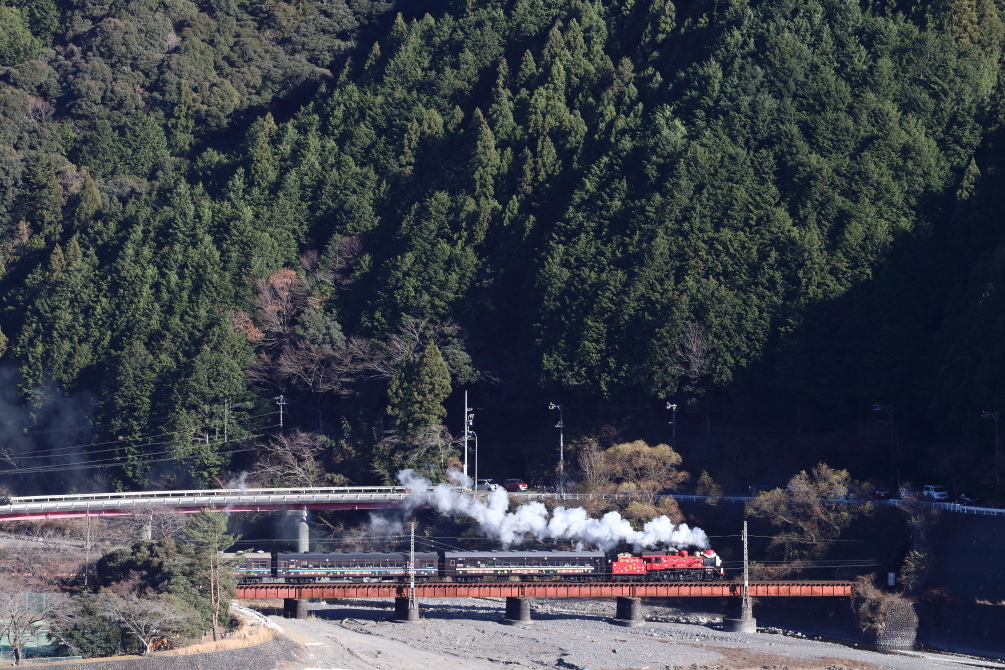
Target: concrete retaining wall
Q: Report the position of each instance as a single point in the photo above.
(969, 568)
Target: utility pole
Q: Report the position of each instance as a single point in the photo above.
(281, 401)
(673, 439)
(746, 571)
(411, 570)
(468, 420)
(746, 623)
(561, 448)
(87, 545)
(476, 459)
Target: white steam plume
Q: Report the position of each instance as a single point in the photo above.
(532, 520)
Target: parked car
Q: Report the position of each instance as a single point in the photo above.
(964, 499)
(882, 492)
(486, 485)
(514, 485)
(935, 492)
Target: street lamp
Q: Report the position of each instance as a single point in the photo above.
(894, 464)
(673, 443)
(994, 415)
(561, 448)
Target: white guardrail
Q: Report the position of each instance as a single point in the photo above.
(295, 496)
(201, 498)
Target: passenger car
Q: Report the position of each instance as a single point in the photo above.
(935, 492)
(514, 485)
(486, 485)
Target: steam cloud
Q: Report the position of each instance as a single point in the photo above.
(532, 520)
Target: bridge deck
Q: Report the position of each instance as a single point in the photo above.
(548, 590)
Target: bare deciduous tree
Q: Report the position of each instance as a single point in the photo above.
(295, 459)
(146, 619)
(434, 444)
(22, 608)
(811, 510)
(309, 260)
(694, 355)
(707, 486)
(591, 465)
(28, 570)
(645, 470)
(39, 109)
(279, 300)
(404, 346)
(157, 522)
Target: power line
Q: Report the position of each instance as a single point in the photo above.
(129, 442)
(120, 463)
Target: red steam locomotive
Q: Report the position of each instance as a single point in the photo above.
(680, 566)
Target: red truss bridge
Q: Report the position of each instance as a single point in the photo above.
(548, 590)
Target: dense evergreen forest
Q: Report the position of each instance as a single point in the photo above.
(782, 216)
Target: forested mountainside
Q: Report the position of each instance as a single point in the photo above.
(776, 213)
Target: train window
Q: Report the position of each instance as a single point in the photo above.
(451, 561)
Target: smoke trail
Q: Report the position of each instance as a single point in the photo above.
(43, 434)
(532, 520)
(240, 482)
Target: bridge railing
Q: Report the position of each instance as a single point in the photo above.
(213, 493)
(953, 507)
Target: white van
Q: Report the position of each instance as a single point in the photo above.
(935, 492)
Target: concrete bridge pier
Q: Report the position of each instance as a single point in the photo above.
(303, 534)
(406, 610)
(745, 622)
(517, 612)
(295, 608)
(629, 612)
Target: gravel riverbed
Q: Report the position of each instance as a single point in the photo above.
(569, 634)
